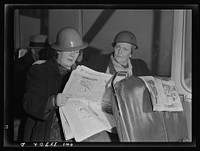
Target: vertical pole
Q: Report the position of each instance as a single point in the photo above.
(156, 42)
(44, 22)
(79, 22)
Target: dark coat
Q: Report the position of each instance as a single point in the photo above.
(43, 81)
(100, 63)
(21, 66)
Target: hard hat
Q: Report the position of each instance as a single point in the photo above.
(125, 36)
(68, 39)
(38, 41)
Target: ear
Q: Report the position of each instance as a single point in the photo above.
(80, 57)
(131, 51)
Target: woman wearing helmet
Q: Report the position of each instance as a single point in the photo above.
(124, 45)
(44, 86)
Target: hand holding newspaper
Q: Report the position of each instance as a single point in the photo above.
(84, 113)
(163, 93)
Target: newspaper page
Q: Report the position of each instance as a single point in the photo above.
(65, 126)
(92, 85)
(85, 119)
(163, 93)
(88, 92)
(87, 83)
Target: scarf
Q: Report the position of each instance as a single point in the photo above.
(114, 66)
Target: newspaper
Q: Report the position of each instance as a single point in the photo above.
(65, 126)
(88, 108)
(163, 93)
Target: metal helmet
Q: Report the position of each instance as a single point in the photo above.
(125, 36)
(68, 39)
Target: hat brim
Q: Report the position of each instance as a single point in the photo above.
(37, 47)
(59, 48)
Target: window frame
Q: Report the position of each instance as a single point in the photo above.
(178, 54)
(183, 55)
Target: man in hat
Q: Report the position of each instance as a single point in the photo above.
(37, 49)
(45, 83)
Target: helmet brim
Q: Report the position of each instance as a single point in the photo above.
(64, 49)
(113, 44)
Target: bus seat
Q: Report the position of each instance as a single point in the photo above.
(137, 122)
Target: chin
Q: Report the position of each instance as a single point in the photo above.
(119, 61)
(68, 65)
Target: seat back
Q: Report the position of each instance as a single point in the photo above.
(135, 119)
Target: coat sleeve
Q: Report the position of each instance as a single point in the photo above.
(35, 101)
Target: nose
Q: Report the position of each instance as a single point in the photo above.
(72, 53)
(119, 51)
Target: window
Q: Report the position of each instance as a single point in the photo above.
(181, 52)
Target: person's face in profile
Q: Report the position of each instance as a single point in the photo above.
(67, 58)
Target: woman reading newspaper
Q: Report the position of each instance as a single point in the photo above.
(45, 82)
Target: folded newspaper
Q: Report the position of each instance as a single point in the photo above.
(163, 93)
(88, 108)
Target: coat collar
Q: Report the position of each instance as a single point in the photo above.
(53, 66)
